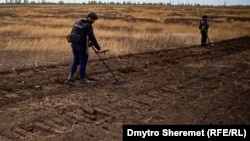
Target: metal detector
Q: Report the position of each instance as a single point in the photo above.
(208, 40)
(116, 81)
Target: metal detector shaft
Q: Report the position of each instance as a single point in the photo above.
(105, 64)
(208, 39)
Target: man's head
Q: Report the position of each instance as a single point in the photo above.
(205, 17)
(91, 17)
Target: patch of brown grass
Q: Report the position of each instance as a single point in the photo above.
(123, 28)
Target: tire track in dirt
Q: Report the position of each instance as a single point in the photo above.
(62, 122)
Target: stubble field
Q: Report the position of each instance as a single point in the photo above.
(169, 78)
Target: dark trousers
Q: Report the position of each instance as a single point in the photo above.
(203, 37)
(80, 59)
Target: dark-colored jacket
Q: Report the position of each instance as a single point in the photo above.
(203, 25)
(82, 34)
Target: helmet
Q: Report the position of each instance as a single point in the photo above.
(92, 15)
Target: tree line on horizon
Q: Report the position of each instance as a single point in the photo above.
(94, 2)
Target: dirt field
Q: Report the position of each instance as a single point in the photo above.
(189, 85)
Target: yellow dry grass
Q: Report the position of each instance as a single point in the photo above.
(122, 28)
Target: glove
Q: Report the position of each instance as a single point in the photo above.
(89, 43)
(68, 38)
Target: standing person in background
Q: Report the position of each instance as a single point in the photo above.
(81, 36)
(204, 30)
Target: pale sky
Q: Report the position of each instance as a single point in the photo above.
(201, 2)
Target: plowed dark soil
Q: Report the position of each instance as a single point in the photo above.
(189, 85)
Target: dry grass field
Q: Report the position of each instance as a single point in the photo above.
(168, 78)
(38, 31)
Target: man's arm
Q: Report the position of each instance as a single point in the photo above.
(92, 38)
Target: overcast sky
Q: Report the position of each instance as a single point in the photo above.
(202, 2)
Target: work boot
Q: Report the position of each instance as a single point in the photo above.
(84, 80)
(71, 77)
(203, 44)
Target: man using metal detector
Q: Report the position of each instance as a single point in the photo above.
(80, 37)
(203, 26)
